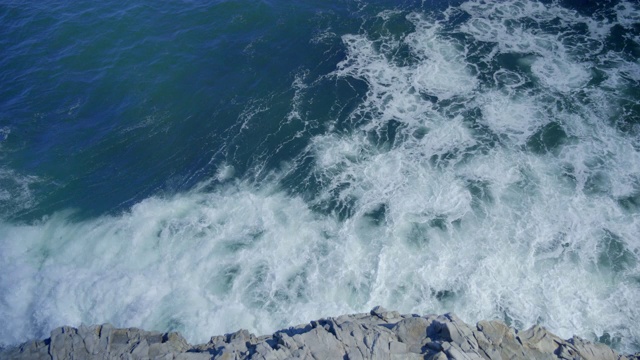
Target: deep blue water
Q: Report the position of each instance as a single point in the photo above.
(117, 103)
(205, 166)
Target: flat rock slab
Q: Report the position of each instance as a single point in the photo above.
(380, 334)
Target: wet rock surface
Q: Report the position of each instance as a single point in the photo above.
(380, 334)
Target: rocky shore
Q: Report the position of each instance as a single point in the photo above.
(380, 334)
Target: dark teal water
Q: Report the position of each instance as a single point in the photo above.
(203, 166)
(110, 104)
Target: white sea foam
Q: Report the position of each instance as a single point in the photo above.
(560, 75)
(454, 210)
(203, 263)
(517, 118)
(16, 191)
(628, 13)
(4, 133)
(225, 172)
(507, 233)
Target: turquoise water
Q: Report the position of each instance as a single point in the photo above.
(204, 167)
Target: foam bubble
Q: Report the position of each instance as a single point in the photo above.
(508, 78)
(560, 75)
(517, 118)
(16, 191)
(225, 172)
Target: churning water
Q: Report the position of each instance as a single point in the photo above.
(204, 167)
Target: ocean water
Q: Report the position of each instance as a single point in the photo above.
(209, 166)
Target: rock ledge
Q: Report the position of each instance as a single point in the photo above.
(381, 334)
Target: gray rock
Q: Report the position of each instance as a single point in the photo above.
(30, 350)
(380, 334)
(586, 350)
(412, 330)
(385, 314)
(321, 344)
(438, 356)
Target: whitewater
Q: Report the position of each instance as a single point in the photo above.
(481, 159)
